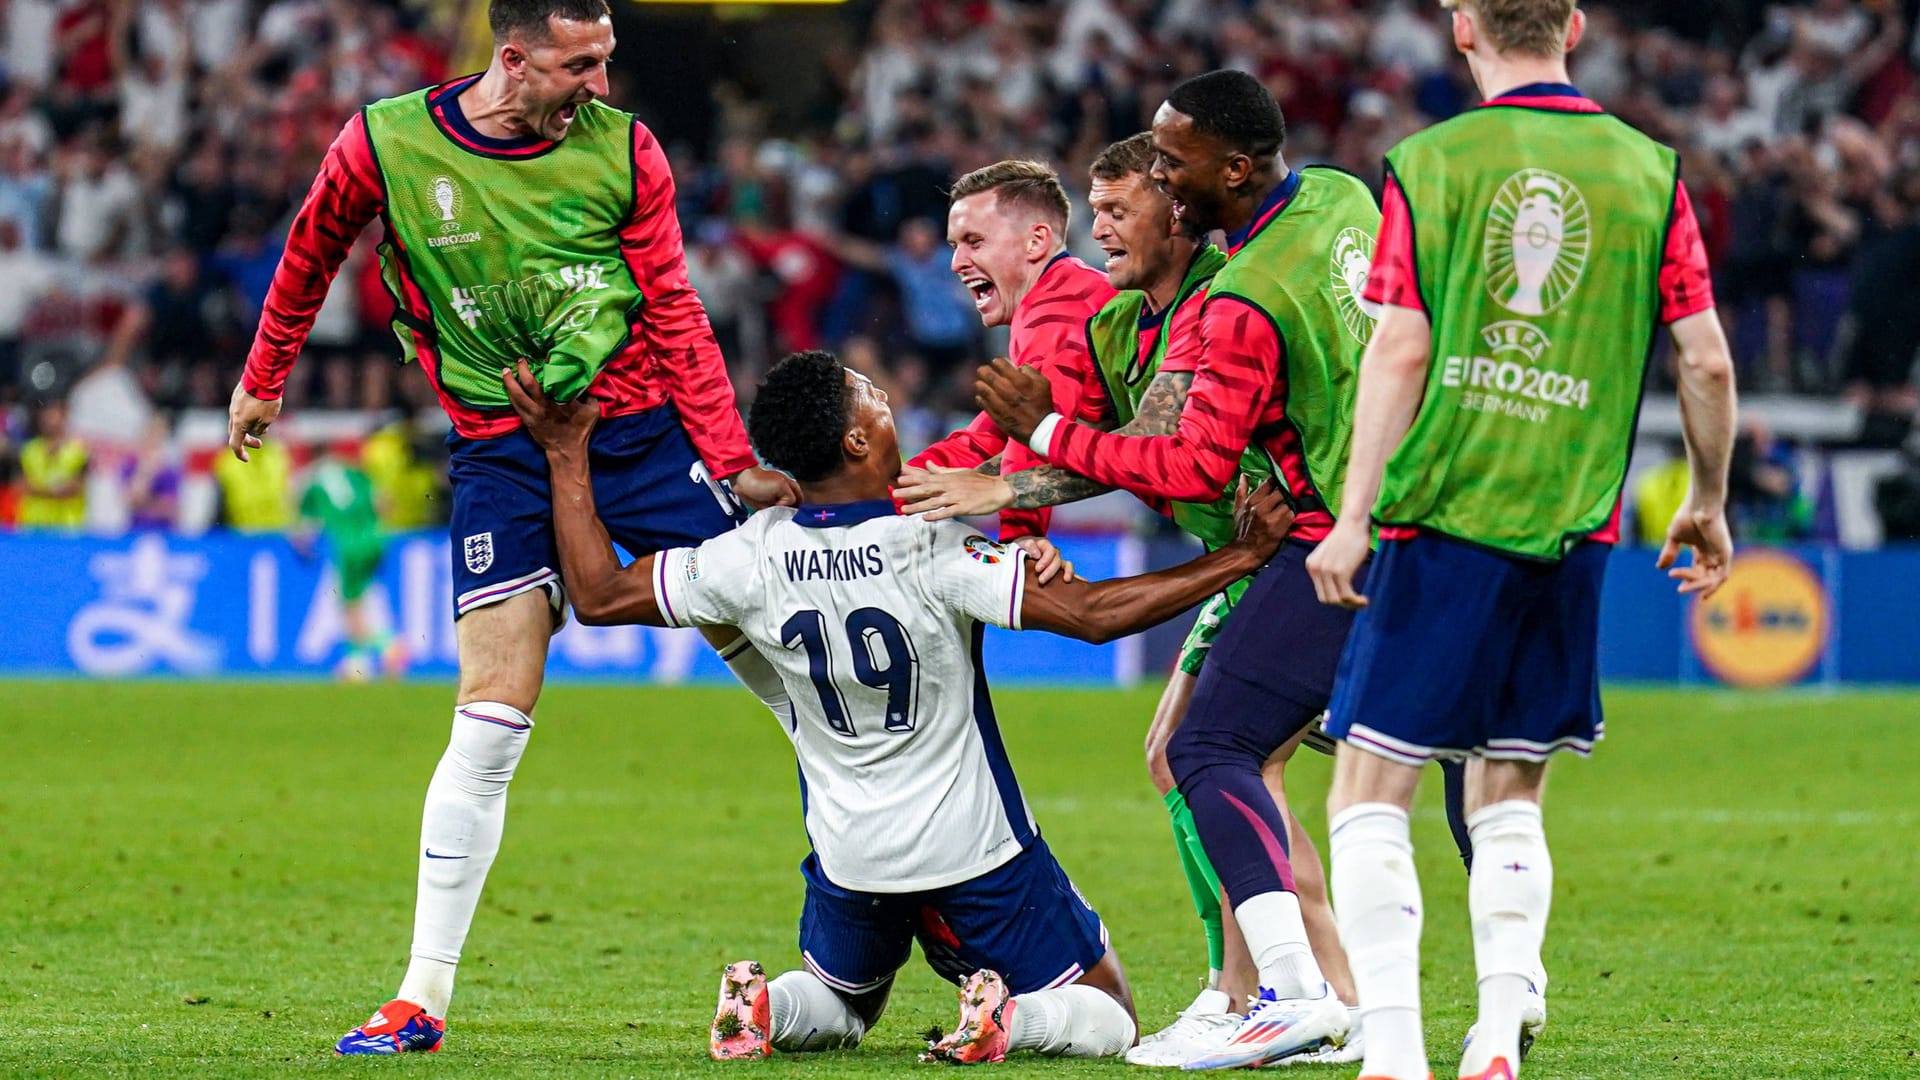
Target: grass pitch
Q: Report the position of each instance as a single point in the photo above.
(218, 880)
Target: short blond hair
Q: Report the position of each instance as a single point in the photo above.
(1523, 27)
(1029, 184)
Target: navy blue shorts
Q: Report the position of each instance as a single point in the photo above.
(651, 488)
(1464, 652)
(1270, 672)
(1024, 920)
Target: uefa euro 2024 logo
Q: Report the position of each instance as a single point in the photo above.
(446, 199)
(1536, 241)
(1352, 261)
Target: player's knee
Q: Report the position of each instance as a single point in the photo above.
(1194, 746)
(1157, 769)
(1490, 782)
(488, 739)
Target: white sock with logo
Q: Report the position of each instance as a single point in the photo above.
(1276, 936)
(810, 1015)
(1069, 1021)
(1508, 897)
(1376, 901)
(758, 675)
(459, 836)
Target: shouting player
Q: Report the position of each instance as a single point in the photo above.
(1007, 226)
(523, 217)
(1279, 348)
(1163, 272)
(875, 622)
(1531, 250)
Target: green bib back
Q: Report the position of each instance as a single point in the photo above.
(1539, 238)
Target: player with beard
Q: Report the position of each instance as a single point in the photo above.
(1281, 336)
(1007, 226)
(523, 217)
(1163, 271)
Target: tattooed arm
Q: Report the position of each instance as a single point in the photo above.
(1159, 414)
(946, 493)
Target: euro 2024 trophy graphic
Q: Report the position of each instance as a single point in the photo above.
(1536, 245)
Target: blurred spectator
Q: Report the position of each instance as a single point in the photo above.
(180, 322)
(53, 473)
(256, 496)
(400, 461)
(724, 277)
(96, 199)
(1897, 499)
(150, 478)
(1885, 332)
(803, 268)
(942, 326)
(1764, 501)
(29, 277)
(1658, 493)
(26, 192)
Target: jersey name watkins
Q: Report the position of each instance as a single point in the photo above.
(852, 564)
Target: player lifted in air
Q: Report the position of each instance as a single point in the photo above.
(1531, 250)
(1280, 342)
(875, 622)
(523, 217)
(1163, 270)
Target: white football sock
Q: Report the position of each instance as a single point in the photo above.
(810, 1015)
(1069, 1021)
(756, 673)
(1277, 937)
(459, 836)
(1376, 897)
(1508, 896)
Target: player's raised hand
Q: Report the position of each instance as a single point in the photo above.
(943, 492)
(1017, 398)
(1337, 559)
(1705, 533)
(1047, 560)
(1261, 518)
(761, 488)
(554, 425)
(248, 419)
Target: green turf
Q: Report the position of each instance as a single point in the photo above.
(218, 880)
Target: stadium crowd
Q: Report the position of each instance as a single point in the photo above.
(152, 153)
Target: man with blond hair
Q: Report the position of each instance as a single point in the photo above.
(1529, 251)
(1007, 226)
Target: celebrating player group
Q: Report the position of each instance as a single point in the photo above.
(1399, 429)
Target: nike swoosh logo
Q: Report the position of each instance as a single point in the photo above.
(431, 855)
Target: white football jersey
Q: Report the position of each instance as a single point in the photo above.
(874, 621)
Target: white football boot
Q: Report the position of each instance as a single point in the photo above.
(1201, 1028)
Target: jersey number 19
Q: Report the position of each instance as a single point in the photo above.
(899, 677)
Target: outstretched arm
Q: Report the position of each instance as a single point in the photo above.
(603, 592)
(344, 199)
(944, 494)
(1104, 610)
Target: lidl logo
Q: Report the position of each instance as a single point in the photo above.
(1767, 626)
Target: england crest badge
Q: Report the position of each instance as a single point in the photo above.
(479, 551)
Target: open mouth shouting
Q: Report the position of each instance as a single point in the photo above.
(983, 291)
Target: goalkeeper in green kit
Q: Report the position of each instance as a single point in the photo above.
(339, 502)
(522, 218)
